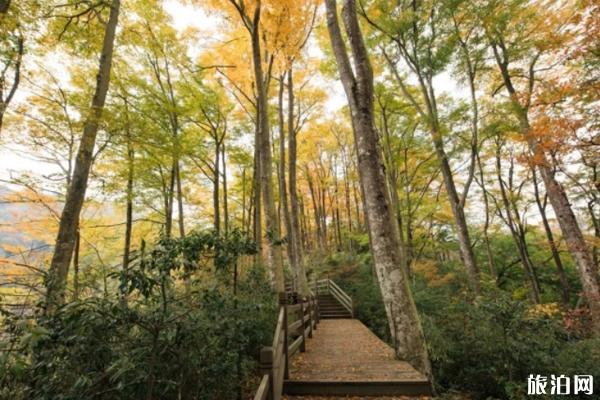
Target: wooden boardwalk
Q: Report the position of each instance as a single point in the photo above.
(320, 352)
(346, 359)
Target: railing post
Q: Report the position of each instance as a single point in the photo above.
(316, 307)
(302, 327)
(317, 312)
(310, 317)
(266, 368)
(286, 357)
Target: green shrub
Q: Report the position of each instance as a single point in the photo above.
(485, 347)
(490, 346)
(167, 341)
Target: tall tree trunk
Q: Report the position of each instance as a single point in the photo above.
(216, 185)
(283, 200)
(405, 326)
(596, 225)
(319, 234)
(225, 199)
(564, 282)
(171, 198)
(456, 203)
(266, 163)
(347, 198)
(245, 227)
(336, 207)
(462, 230)
(179, 200)
(475, 159)
(359, 221)
(129, 197)
(392, 179)
(76, 288)
(512, 220)
(65, 240)
(486, 224)
(323, 213)
(304, 225)
(292, 177)
(256, 197)
(5, 101)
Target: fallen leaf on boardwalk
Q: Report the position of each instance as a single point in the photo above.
(346, 350)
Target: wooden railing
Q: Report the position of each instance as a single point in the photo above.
(328, 286)
(296, 322)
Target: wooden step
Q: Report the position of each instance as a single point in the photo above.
(336, 316)
(328, 306)
(344, 309)
(337, 311)
(331, 306)
(356, 388)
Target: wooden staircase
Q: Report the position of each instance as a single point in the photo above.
(331, 308)
(333, 302)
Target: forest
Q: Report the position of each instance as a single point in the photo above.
(176, 175)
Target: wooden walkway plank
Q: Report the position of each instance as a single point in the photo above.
(346, 358)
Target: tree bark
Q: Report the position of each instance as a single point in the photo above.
(357, 205)
(596, 225)
(180, 215)
(486, 225)
(4, 102)
(225, 199)
(257, 198)
(319, 234)
(216, 190)
(170, 198)
(292, 177)
(336, 206)
(392, 179)
(347, 198)
(464, 240)
(512, 220)
(76, 286)
(266, 162)
(564, 282)
(283, 200)
(323, 212)
(389, 263)
(65, 240)
(129, 195)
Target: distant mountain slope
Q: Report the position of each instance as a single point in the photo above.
(21, 223)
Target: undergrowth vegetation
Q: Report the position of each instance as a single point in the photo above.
(483, 347)
(152, 337)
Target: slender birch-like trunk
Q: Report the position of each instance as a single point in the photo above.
(67, 230)
(389, 263)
